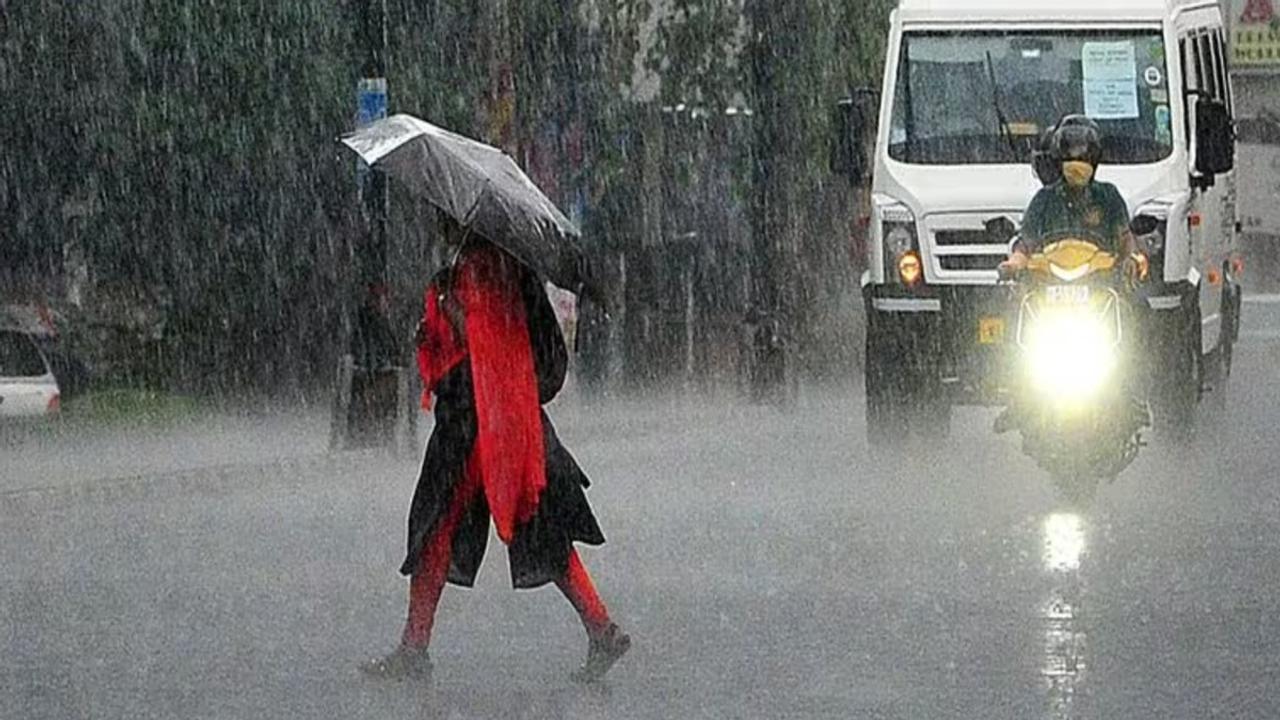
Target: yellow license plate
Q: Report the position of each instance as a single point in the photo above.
(990, 330)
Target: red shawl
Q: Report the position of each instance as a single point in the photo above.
(439, 347)
(508, 454)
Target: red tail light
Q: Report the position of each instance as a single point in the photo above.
(55, 405)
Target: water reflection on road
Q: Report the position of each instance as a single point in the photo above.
(1065, 661)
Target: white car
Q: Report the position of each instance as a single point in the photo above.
(27, 385)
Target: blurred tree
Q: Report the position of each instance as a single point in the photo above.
(185, 151)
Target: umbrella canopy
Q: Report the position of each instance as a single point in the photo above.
(483, 189)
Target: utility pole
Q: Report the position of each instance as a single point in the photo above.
(371, 105)
(369, 33)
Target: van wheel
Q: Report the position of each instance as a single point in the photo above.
(1224, 355)
(904, 394)
(1176, 390)
(1231, 303)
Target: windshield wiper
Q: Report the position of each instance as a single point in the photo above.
(1005, 132)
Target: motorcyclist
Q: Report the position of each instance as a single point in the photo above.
(1074, 204)
(1077, 205)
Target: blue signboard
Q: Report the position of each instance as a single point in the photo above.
(371, 100)
(371, 105)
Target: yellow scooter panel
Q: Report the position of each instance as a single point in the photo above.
(1071, 258)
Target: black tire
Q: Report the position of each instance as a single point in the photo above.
(903, 392)
(1180, 374)
(1231, 304)
(886, 423)
(1218, 373)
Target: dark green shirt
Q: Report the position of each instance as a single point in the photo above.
(1095, 212)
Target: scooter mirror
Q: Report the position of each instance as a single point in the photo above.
(1000, 230)
(1143, 225)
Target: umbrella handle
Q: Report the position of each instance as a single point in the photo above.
(457, 253)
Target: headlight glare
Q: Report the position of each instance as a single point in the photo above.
(1070, 354)
(909, 267)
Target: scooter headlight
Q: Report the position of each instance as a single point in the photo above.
(1070, 353)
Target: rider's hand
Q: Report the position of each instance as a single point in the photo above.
(1136, 267)
(1016, 263)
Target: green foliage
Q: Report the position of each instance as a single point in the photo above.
(132, 407)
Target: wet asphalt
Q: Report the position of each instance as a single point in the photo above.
(763, 566)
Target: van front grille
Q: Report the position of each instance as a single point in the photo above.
(970, 262)
(952, 238)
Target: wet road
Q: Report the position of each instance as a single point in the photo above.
(763, 568)
(1263, 313)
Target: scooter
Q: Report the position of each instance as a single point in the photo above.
(1073, 396)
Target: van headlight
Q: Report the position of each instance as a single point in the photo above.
(899, 239)
(901, 244)
(1070, 353)
(1155, 217)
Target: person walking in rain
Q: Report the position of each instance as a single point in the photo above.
(491, 353)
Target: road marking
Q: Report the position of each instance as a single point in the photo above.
(1262, 299)
(1264, 335)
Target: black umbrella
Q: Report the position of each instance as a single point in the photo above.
(483, 189)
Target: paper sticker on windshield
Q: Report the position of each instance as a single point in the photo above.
(1153, 76)
(1110, 71)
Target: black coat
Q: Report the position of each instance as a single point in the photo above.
(540, 550)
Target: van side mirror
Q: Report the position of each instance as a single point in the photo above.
(846, 144)
(1215, 138)
(853, 125)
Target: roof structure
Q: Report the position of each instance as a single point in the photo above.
(1043, 10)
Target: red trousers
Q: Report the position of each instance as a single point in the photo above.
(426, 585)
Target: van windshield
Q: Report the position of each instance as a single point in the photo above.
(970, 98)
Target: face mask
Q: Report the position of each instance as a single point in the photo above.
(1077, 173)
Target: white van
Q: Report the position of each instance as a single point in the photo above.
(969, 87)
